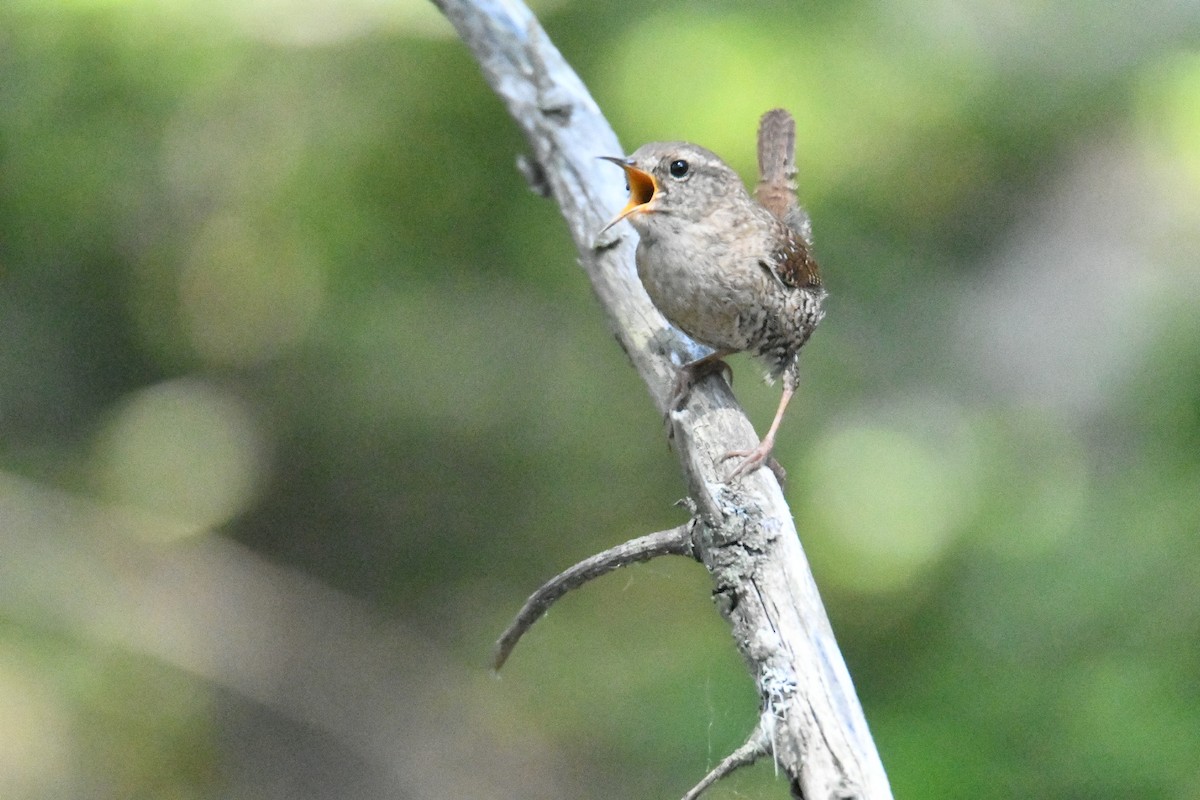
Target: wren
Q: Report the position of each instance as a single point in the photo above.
(734, 272)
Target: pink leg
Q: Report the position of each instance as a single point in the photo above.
(753, 459)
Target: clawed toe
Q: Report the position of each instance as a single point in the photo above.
(692, 373)
(680, 391)
(753, 459)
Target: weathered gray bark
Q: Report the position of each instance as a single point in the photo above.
(811, 722)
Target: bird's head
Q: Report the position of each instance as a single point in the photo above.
(673, 179)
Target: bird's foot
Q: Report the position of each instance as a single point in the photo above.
(753, 459)
(692, 373)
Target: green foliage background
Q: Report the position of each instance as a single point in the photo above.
(268, 275)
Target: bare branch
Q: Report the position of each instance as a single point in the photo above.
(755, 747)
(745, 536)
(674, 542)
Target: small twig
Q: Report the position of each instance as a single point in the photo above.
(756, 746)
(673, 542)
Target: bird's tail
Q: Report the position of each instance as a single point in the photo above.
(777, 162)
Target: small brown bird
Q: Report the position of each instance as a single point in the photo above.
(732, 273)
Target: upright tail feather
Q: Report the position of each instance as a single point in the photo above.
(777, 162)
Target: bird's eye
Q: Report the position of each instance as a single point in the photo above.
(678, 168)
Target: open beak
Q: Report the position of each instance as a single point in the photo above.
(642, 189)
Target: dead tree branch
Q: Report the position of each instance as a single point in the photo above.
(811, 721)
(675, 542)
(754, 748)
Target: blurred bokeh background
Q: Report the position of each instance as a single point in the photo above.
(302, 392)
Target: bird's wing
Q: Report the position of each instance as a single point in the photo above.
(792, 263)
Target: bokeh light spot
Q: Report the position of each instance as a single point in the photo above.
(35, 741)
(183, 449)
(886, 504)
(1170, 111)
(722, 99)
